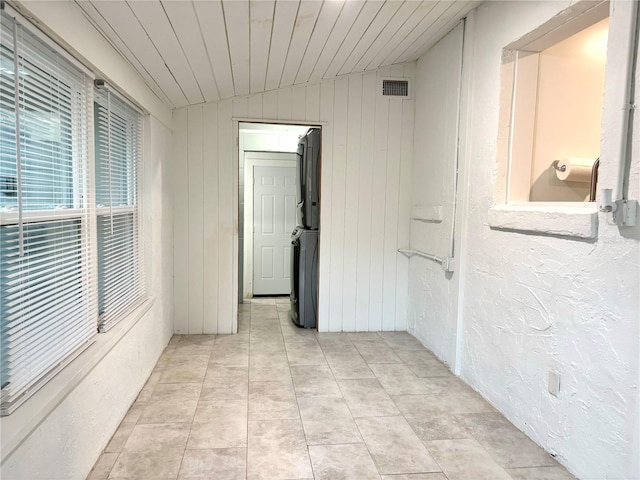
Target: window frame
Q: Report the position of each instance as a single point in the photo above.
(51, 387)
(79, 138)
(134, 196)
(563, 219)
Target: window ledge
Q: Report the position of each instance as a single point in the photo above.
(17, 427)
(428, 214)
(560, 219)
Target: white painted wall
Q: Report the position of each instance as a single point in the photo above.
(432, 319)
(66, 444)
(270, 137)
(534, 303)
(366, 176)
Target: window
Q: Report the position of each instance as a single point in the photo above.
(47, 279)
(118, 148)
(552, 100)
(70, 247)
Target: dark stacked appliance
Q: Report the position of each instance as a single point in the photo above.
(304, 239)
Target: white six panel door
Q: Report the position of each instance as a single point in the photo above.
(274, 213)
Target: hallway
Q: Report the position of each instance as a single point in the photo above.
(279, 402)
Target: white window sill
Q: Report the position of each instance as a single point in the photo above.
(564, 219)
(21, 423)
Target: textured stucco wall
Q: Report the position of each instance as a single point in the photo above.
(432, 319)
(534, 303)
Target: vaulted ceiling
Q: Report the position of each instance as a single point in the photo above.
(190, 52)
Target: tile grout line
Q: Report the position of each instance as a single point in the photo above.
(246, 455)
(401, 345)
(351, 412)
(191, 423)
(304, 433)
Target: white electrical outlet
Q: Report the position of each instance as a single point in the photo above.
(554, 383)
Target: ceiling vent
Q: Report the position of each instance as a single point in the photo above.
(395, 87)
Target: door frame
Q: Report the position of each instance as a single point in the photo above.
(326, 134)
(251, 160)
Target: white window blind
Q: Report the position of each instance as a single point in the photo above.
(47, 273)
(118, 134)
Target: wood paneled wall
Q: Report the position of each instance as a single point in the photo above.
(365, 201)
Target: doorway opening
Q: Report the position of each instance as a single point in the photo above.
(268, 209)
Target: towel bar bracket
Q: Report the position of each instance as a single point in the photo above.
(448, 263)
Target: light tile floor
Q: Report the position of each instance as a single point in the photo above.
(279, 402)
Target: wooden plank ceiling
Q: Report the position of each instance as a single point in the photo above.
(191, 52)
